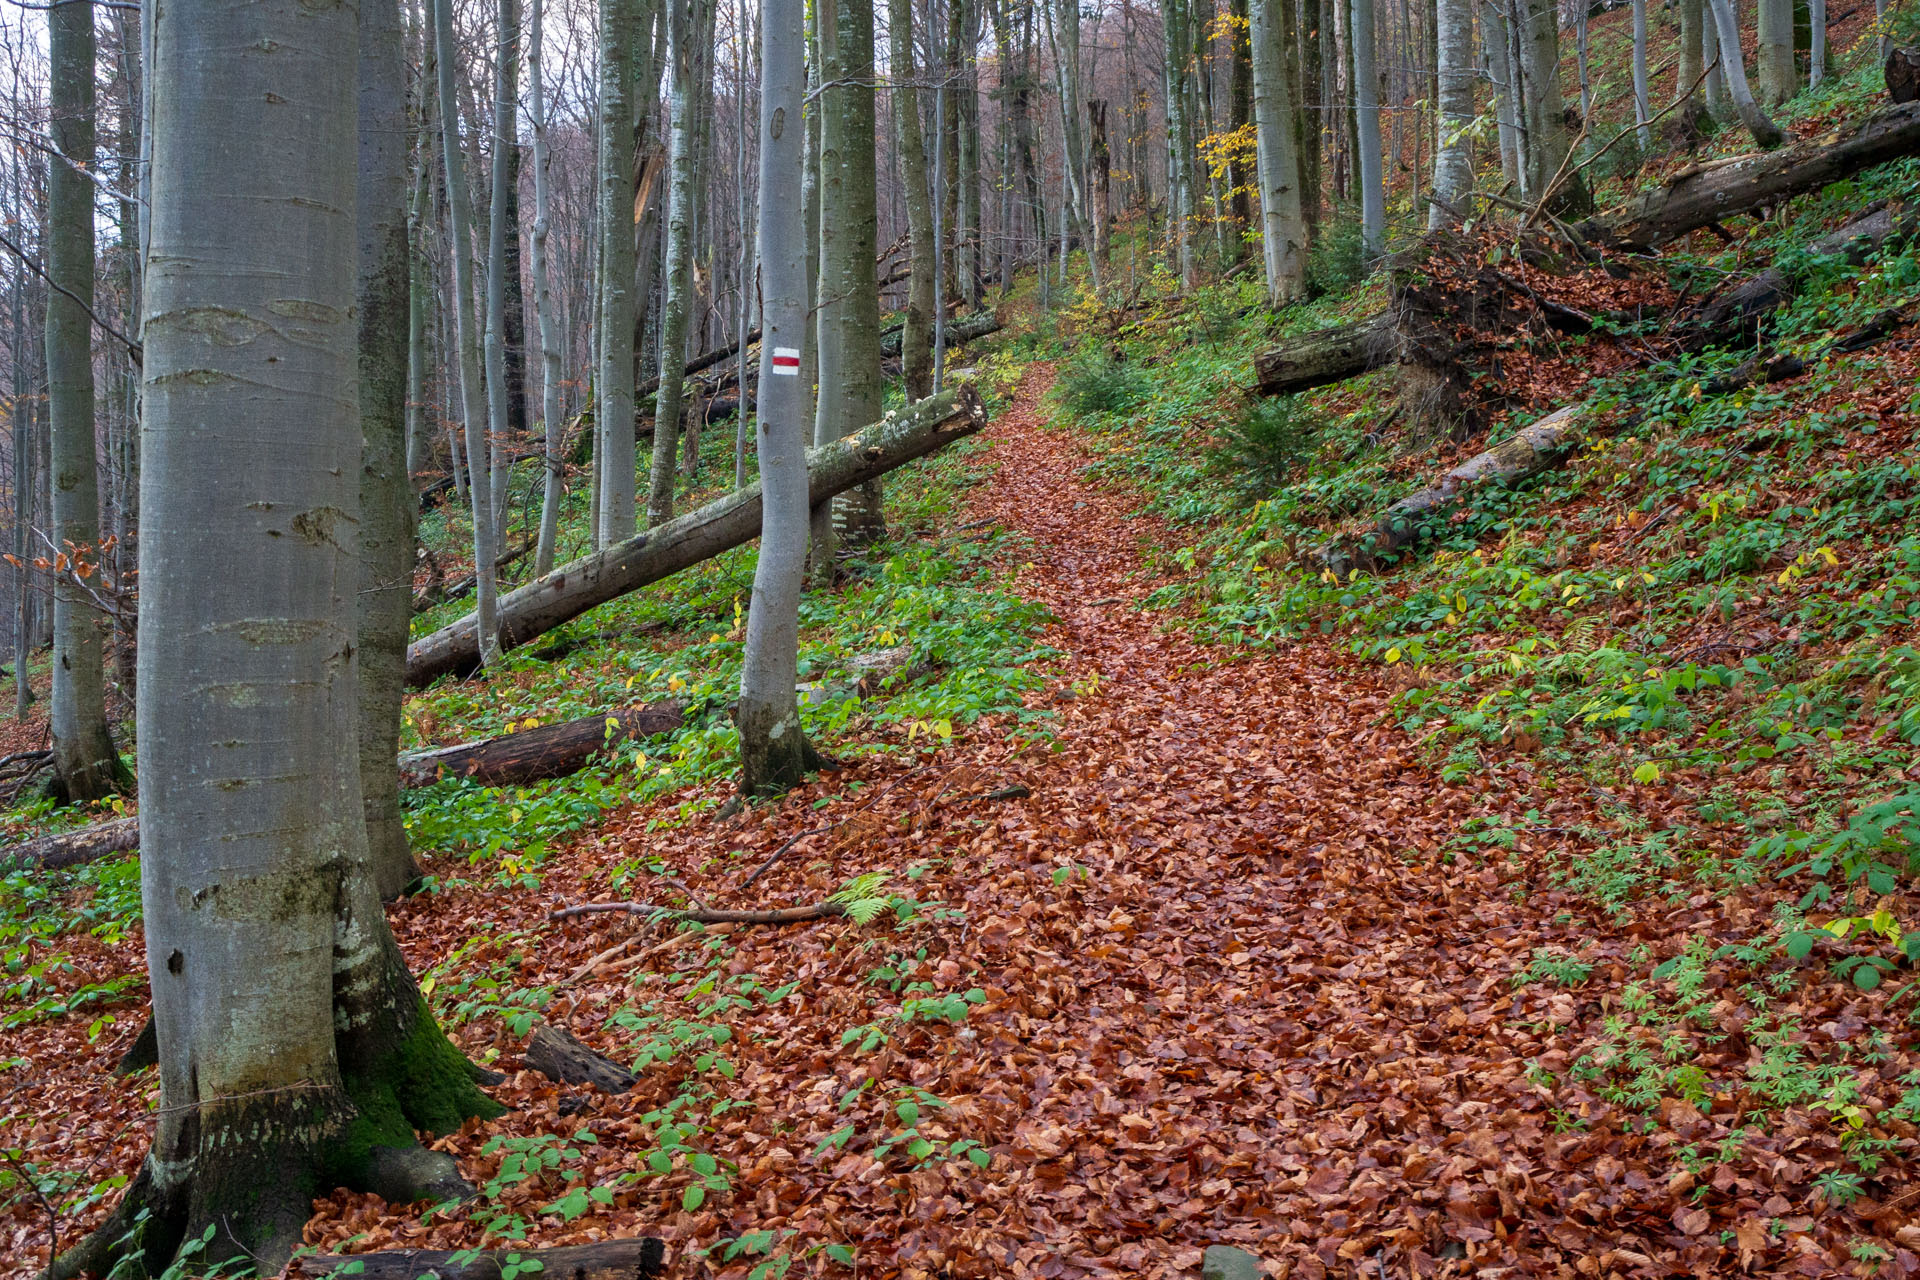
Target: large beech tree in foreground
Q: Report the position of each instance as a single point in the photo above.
(295, 1051)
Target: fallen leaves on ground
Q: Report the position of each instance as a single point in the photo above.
(1234, 985)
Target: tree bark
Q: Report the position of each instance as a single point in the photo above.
(295, 1052)
(387, 503)
(1704, 194)
(1777, 73)
(1733, 70)
(774, 752)
(613, 454)
(1544, 113)
(1642, 101)
(1277, 161)
(1453, 145)
(1327, 356)
(1690, 68)
(917, 345)
(533, 755)
(546, 320)
(1366, 105)
(848, 311)
(677, 304)
(472, 398)
(86, 766)
(505, 335)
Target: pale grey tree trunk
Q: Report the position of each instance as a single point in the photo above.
(1687, 95)
(295, 1053)
(1817, 42)
(86, 766)
(24, 486)
(501, 264)
(1642, 103)
(1544, 111)
(421, 295)
(1580, 62)
(916, 340)
(1496, 66)
(849, 308)
(387, 502)
(748, 275)
(1282, 218)
(774, 753)
(1065, 33)
(1716, 86)
(613, 412)
(810, 213)
(543, 304)
(1727, 32)
(1779, 79)
(1175, 49)
(1366, 105)
(473, 400)
(1453, 144)
(677, 303)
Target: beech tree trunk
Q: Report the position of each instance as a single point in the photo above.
(387, 503)
(728, 522)
(677, 304)
(613, 420)
(1366, 105)
(86, 766)
(473, 401)
(1778, 76)
(1544, 113)
(1453, 145)
(1283, 225)
(848, 312)
(545, 318)
(917, 343)
(1733, 70)
(295, 1053)
(774, 752)
(1690, 99)
(1642, 102)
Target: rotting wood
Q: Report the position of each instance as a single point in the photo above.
(636, 1258)
(1327, 355)
(732, 521)
(546, 751)
(559, 1055)
(1530, 451)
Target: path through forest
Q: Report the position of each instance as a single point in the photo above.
(1231, 989)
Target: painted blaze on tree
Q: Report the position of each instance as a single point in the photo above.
(295, 1051)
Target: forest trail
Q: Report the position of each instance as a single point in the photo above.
(1233, 992)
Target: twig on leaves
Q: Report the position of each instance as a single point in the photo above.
(708, 915)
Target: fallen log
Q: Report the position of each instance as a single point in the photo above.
(732, 521)
(1530, 451)
(532, 755)
(73, 848)
(639, 1258)
(1737, 314)
(1327, 355)
(960, 331)
(559, 1056)
(1705, 194)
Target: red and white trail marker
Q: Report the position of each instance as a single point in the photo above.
(786, 361)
